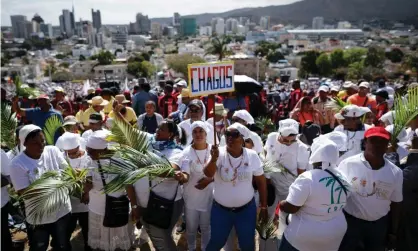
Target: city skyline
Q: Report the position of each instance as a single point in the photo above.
(50, 10)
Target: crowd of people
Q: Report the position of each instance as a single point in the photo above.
(339, 181)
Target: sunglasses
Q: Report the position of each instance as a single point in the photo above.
(233, 134)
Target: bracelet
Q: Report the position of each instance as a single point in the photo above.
(263, 208)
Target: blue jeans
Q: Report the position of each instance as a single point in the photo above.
(222, 221)
(59, 232)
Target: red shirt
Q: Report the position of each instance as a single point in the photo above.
(381, 109)
(210, 104)
(295, 96)
(167, 105)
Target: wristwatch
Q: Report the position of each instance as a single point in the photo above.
(134, 206)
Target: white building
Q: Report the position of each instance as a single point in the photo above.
(231, 25)
(100, 40)
(85, 50)
(156, 30)
(130, 45)
(119, 37)
(265, 23)
(205, 31)
(215, 22)
(82, 69)
(220, 27)
(344, 25)
(191, 49)
(241, 29)
(114, 71)
(316, 35)
(318, 23)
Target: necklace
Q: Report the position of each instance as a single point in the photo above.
(197, 156)
(235, 169)
(349, 139)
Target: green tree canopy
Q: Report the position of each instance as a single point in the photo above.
(337, 59)
(274, 56)
(105, 57)
(218, 46)
(60, 56)
(81, 58)
(308, 62)
(179, 62)
(355, 70)
(354, 55)
(141, 69)
(375, 57)
(324, 65)
(65, 64)
(395, 55)
(51, 68)
(264, 47)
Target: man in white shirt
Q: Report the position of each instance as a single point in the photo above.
(376, 190)
(6, 238)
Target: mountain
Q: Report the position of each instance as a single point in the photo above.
(302, 12)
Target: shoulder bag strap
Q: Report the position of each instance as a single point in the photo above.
(101, 173)
(151, 187)
(366, 101)
(338, 180)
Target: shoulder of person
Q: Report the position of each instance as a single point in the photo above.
(272, 136)
(52, 149)
(315, 100)
(395, 169)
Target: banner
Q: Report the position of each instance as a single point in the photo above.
(211, 78)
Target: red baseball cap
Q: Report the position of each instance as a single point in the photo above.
(377, 131)
(43, 96)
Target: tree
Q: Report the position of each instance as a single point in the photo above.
(274, 56)
(25, 60)
(179, 62)
(146, 56)
(218, 47)
(51, 68)
(81, 58)
(395, 55)
(354, 55)
(355, 70)
(337, 59)
(60, 56)
(105, 57)
(375, 57)
(141, 69)
(117, 50)
(65, 64)
(308, 63)
(324, 65)
(265, 47)
(26, 45)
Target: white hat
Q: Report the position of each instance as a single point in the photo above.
(200, 124)
(68, 141)
(349, 84)
(219, 110)
(324, 151)
(288, 127)
(335, 88)
(323, 88)
(244, 115)
(23, 133)
(98, 140)
(339, 138)
(403, 135)
(98, 100)
(351, 111)
(182, 83)
(59, 89)
(364, 84)
(242, 130)
(388, 117)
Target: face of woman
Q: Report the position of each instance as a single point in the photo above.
(233, 138)
(35, 146)
(199, 135)
(73, 153)
(163, 133)
(306, 106)
(149, 109)
(238, 120)
(288, 140)
(94, 153)
(351, 123)
(249, 144)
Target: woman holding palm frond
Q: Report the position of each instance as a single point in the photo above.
(315, 202)
(26, 169)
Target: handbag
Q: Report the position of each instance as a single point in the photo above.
(116, 209)
(159, 210)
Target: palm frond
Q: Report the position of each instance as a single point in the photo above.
(52, 124)
(126, 134)
(270, 166)
(266, 230)
(8, 126)
(23, 90)
(335, 104)
(51, 191)
(132, 165)
(405, 111)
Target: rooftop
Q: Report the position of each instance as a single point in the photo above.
(327, 31)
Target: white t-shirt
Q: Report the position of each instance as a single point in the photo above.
(166, 188)
(322, 200)
(194, 198)
(187, 126)
(236, 190)
(372, 190)
(5, 171)
(97, 203)
(87, 134)
(354, 140)
(25, 170)
(79, 163)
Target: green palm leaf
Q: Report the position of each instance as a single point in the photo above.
(405, 112)
(24, 90)
(51, 191)
(8, 126)
(125, 134)
(335, 104)
(52, 124)
(266, 230)
(270, 166)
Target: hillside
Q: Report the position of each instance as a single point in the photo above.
(304, 11)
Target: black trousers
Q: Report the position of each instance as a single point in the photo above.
(6, 237)
(83, 221)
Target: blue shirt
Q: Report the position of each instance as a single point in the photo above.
(234, 104)
(39, 117)
(141, 98)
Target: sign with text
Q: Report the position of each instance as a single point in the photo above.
(211, 78)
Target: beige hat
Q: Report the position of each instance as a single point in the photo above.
(185, 93)
(121, 99)
(219, 110)
(98, 101)
(364, 84)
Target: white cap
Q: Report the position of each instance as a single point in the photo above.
(323, 88)
(388, 117)
(182, 83)
(98, 140)
(351, 111)
(68, 141)
(335, 88)
(364, 84)
(324, 151)
(242, 130)
(200, 124)
(288, 127)
(244, 115)
(403, 135)
(339, 138)
(349, 84)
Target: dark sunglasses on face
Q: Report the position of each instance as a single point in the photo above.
(233, 134)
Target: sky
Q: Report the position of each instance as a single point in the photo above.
(122, 11)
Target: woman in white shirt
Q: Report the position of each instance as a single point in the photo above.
(233, 168)
(101, 237)
(26, 168)
(315, 203)
(198, 191)
(6, 238)
(78, 159)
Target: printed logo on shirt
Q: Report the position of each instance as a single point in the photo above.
(383, 190)
(337, 193)
(362, 187)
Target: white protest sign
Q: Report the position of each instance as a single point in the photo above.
(211, 78)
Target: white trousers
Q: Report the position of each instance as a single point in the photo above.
(195, 219)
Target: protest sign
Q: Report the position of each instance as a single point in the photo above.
(211, 78)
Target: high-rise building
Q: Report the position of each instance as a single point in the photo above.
(318, 23)
(229, 23)
(344, 25)
(67, 23)
(156, 30)
(243, 20)
(99, 40)
(36, 23)
(188, 26)
(143, 24)
(176, 19)
(97, 19)
(205, 31)
(265, 22)
(19, 26)
(220, 27)
(47, 30)
(119, 37)
(29, 29)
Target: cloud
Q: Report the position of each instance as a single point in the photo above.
(122, 11)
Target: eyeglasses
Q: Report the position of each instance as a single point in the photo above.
(233, 134)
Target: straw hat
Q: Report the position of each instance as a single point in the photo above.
(98, 101)
(219, 110)
(121, 99)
